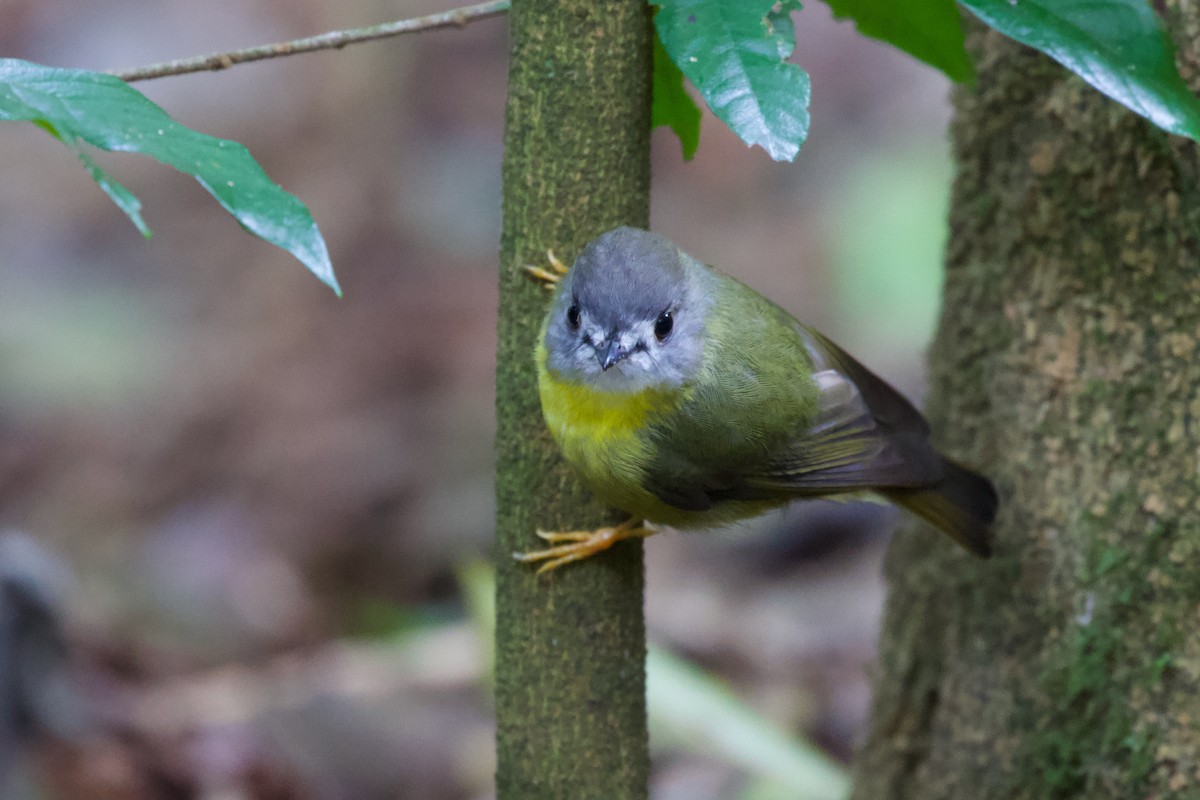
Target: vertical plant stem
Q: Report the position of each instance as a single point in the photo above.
(570, 646)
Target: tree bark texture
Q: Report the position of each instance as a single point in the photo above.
(1066, 366)
(570, 646)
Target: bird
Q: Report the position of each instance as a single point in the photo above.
(687, 399)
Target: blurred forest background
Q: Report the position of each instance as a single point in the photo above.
(260, 509)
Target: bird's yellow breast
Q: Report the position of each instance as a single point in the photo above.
(600, 432)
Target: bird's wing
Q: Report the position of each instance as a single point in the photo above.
(846, 448)
(888, 407)
(864, 435)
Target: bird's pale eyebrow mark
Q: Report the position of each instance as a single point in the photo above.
(649, 353)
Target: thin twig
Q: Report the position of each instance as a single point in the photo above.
(457, 17)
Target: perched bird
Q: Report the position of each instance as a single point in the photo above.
(686, 398)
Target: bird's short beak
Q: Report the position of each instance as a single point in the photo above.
(610, 354)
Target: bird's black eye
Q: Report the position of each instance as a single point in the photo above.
(663, 326)
(573, 315)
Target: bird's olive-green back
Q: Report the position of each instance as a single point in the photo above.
(753, 393)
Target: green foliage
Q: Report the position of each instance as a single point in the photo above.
(1117, 46)
(672, 105)
(930, 30)
(889, 218)
(78, 105)
(735, 54)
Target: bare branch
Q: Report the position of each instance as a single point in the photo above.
(332, 40)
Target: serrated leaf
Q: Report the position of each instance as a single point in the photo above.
(672, 105)
(930, 30)
(1117, 46)
(104, 111)
(734, 52)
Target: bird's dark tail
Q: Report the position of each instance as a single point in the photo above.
(963, 504)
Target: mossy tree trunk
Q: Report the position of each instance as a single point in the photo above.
(570, 646)
(1067, 366)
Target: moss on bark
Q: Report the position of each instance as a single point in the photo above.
(570, 646)
(1065, 365)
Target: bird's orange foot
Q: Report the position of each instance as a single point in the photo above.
(582, 544)
(549, 277)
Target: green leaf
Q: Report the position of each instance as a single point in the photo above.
(672, 105)
(734, 52)
(930, 30)
(125, 199)
(104, 111)
(1117, 46)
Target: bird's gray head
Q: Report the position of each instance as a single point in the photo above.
(629, 315)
